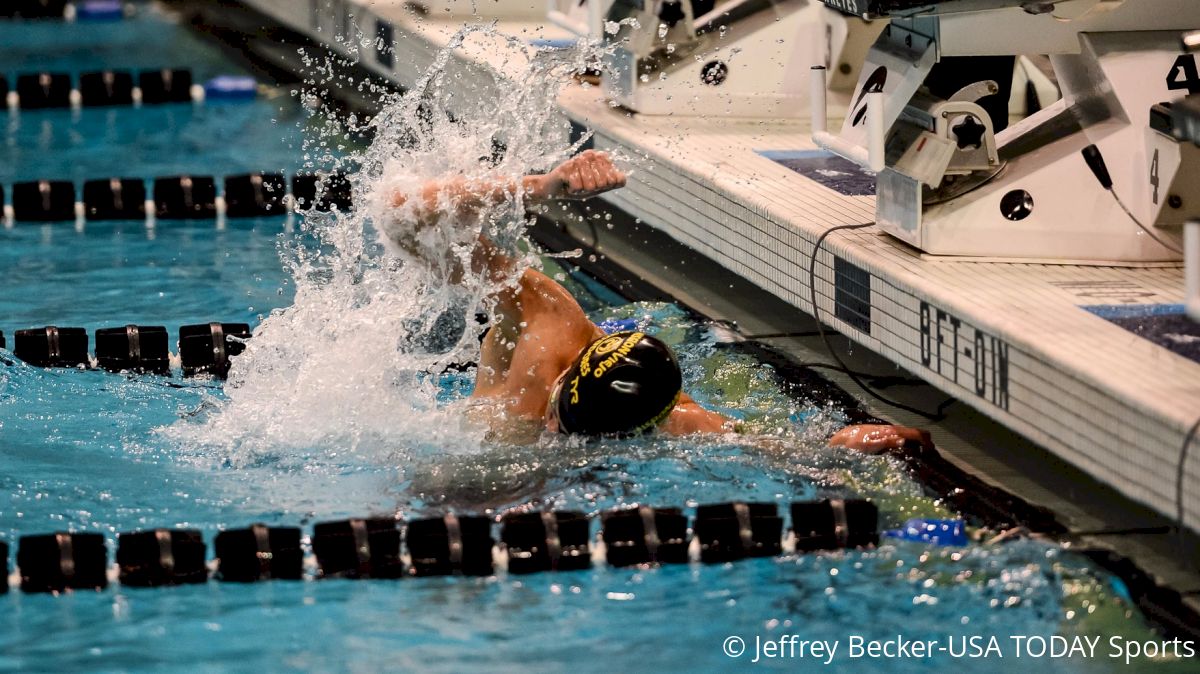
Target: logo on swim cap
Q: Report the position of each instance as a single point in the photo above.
(622, 348)
(622, 384)
(608, 344)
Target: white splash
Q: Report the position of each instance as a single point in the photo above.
(343, 372)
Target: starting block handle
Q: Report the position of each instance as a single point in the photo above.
(1191, 41)
(820, 112)
(873, 156)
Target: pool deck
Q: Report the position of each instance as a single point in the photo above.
(1010, 339)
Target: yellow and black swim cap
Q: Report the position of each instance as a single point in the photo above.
(622, 384)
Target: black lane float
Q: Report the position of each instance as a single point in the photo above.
(103, 88)
(321, 193)
(52, 346)
(114, 199)
(33, 9)
(834, 523)
(109, 88)
(204, 349)
(44, 201)
(207, 348)
(185, 197)
(181, 197)
(259, 553)
(732, 531)
(106, 88)
(451, 544)
(358, 548)
(546, 541)
(134, 348)
(165, 86)
(62, 561)
(161, 557)
(255, 195)
(38, 91)
(645, 535)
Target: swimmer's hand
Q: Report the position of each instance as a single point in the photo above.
(877, 438)
(581, 177)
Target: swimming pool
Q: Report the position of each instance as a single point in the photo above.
(91, 451)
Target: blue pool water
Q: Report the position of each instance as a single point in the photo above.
(215, 139)
(86, 451)
(156, 140)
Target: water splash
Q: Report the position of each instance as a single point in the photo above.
(350, 374)
(345, 371)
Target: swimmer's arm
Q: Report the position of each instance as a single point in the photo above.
(689, 418)
(466, 195)
(583, 176)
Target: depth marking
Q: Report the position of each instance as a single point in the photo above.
(982, 354)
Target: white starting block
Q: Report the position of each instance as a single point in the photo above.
(737, 58)
(949, 184)
(1185, 121)
(501, 10)
(583, 18)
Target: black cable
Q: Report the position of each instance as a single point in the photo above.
(1179, 475)
(595, 232)
(781, 335)
(937, 415)
(1129, 531)
(881, 381)
(1145, 229)
(1095, 162)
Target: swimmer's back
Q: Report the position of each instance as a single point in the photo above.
(539, 332)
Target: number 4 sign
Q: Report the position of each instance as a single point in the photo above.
(1184, 75)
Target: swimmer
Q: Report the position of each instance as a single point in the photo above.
(542, 361)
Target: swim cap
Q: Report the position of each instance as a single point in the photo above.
(622, 384)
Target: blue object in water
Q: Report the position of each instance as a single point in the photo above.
(932, 531)
(612, 325)
(231, 88)
(1121, 589)
(100, 10)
